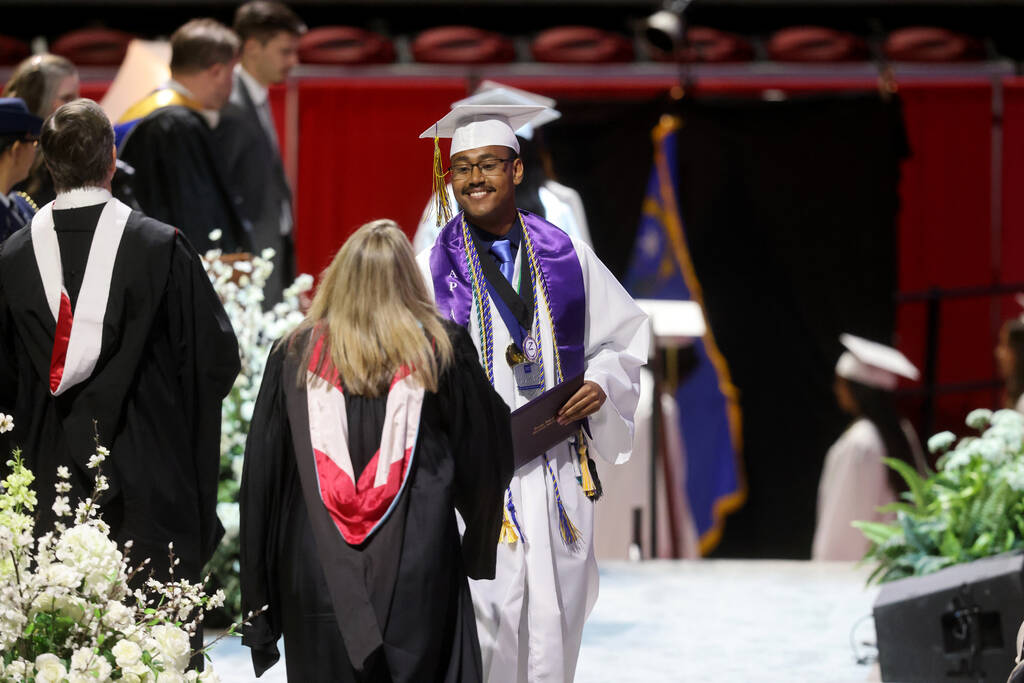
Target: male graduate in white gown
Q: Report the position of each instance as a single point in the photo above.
(541, 308)
(560, 205)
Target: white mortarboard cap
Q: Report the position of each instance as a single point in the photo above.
(873, 364)
(492, 92)
(480, 125)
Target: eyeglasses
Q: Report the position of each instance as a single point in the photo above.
(491, 167)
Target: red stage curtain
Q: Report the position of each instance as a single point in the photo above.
(945, 235)
(360, 157)
(1012, 252)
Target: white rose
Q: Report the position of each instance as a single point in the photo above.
(118, 616)
(126, 653)
(88, 550)
(59, 574)
(173, 646)
(87, 665)
(17, 670)
(170, 677)
(50, 669)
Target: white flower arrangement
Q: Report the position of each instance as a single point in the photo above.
(67, 609)
(239, 283)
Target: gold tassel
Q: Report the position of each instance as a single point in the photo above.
(586, 481)
(508, 530)
(440, 187)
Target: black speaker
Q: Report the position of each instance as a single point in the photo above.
(958, 624)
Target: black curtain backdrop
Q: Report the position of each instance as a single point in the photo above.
(603, 150)
(790, 212)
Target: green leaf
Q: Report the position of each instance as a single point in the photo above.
(982, 545)
(951, 546)
(913, 479)
(877, 532)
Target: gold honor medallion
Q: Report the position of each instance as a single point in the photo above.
(513, 356)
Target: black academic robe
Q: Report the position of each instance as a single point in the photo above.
(178, 178)
(168, 357)
(398, 606)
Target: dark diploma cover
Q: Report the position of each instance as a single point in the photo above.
(535, 427)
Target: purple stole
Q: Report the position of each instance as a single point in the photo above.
(560, 274)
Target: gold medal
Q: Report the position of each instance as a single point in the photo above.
(514, 356)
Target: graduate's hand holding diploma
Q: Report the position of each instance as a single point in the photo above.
(584, 403)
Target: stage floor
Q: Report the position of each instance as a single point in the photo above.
(705, 620)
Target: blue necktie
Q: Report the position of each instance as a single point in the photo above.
(502, 251)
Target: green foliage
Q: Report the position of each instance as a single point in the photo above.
(972, 507)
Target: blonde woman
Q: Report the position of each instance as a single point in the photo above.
(374, 424)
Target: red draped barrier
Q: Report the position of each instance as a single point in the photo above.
(945, 236)
(1012, 251)
(360, 157)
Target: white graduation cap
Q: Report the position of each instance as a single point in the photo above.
(873, 364)
(481, 125)
(492, 92)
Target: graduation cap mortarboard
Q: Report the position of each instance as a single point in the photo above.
(471, 126)
(492, 92)
(481, 125)
(873, 364)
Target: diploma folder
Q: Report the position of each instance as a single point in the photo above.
(535, 428)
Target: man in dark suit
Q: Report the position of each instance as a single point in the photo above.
(269, 33)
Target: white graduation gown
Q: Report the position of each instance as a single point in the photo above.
(854, 483)
(562, 204)
(530, 617)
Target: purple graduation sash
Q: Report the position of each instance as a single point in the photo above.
(561, 277)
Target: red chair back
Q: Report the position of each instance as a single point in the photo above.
(13, 50)
(709, 45)
(93, 46)
(816, 44)
(931, 44)
(345, 45)
(581, 45)
(462, 45)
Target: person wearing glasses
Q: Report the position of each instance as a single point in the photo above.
(538, 193)
(19, 138)
(541, 309)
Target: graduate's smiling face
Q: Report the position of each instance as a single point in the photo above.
(484, 181)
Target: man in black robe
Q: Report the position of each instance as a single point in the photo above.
(167, 138)
(111, 334)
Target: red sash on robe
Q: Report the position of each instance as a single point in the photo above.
(359, 507)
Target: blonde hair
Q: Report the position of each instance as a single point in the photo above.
(376, 314)
(36, 80)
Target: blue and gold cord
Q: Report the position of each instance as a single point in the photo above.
(510, 529)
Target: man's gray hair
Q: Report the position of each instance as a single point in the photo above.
(76, 141)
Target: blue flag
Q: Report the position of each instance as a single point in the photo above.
(709, 412)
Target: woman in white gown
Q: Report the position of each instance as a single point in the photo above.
(855, 481)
